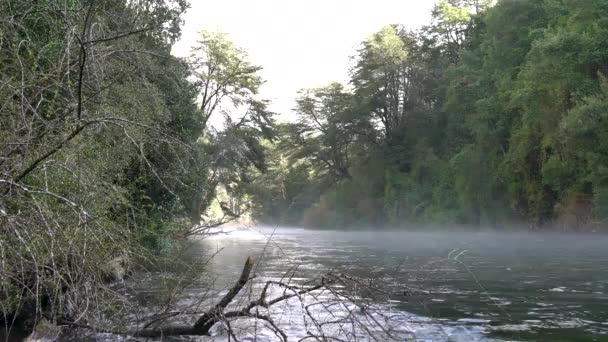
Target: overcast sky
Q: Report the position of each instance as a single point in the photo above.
(299, 43)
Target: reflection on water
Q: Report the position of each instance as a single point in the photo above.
(512, 286)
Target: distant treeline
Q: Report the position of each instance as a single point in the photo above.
(492, 114)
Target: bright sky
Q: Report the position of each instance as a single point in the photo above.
(299, 43)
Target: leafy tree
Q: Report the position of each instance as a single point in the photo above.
(385, 77)
(323, 134)
(224, 76)
(227, 84)
(482, 117)
(104, 152)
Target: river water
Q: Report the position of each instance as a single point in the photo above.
(442, 286)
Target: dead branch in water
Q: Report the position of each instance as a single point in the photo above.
(216, 314)
(251, 310)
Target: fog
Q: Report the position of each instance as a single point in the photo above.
(519, 285)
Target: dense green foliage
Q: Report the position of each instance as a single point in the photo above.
(493, 114)
(105, 151)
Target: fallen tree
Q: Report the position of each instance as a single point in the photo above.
(259, 309)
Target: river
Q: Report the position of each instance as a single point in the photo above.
(472, 286)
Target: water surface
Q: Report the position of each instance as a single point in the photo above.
(518, 286)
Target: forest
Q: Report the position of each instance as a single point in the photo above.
(105, 151)
(494, 114)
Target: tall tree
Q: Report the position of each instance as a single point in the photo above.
(385, 76)
(228, 85)
(323, 133)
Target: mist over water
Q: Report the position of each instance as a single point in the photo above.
(447, 285)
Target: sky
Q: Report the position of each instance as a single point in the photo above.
(298, 43)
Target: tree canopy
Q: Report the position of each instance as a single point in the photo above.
(490, 115)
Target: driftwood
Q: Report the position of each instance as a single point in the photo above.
(217, 313)
(355, 312)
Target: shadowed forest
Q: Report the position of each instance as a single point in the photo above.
(493, 115)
